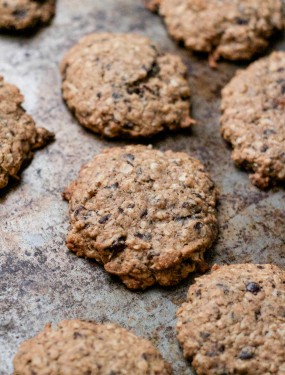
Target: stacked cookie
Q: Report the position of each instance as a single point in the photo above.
(149, 216)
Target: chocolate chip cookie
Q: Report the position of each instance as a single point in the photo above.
(232, 29)
(77, 347)
(234, 321)
(121, 85)
(18, 15)
(253, 120)
(147, 216)
(19, 136)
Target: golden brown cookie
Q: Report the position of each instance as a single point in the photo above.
(234, 321)
(147, 216)
(19, 136)
(18, 15)
(77, 347)
(232, 29)
(121, 85)
(253, 120)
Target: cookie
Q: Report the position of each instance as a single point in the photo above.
(17, 15)
(121, 85)
(147, 216)
(234, 30)
(253, 106)
(234, 321)
(19, 136)
(77, 347)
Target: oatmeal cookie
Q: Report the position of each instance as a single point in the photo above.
(253, 120)
(19, 136)
(234, 321)
(19, 15)
(231, 29)
(77, 347)
(121, 85)
(147, 216)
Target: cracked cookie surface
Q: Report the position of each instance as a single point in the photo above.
(17, 15)
(231, 29)
(147, 216)
(121, 85)
(19, 136)
(253, 120)
(77, 347)
(234, 321)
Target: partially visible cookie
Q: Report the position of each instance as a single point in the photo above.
(77, 347)
(234, 321)
(234, 30)
(121, 85)
(17, 15)
(253, 120)
(19, 136)
(147, 216)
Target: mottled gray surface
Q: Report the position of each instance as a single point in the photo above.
(40, 280)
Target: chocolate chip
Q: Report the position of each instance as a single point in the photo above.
(128, 125)
(78, 210)
(144, 213)
(135, 90)
(198, 226)
(220, 348)
(224, 288)
(198, 292)
(242, 21)
(118, 245)
(144, 236)
(77, 335)
(269, 131)
(182, 218)
(257, 314)
(253, 288)
(129, 157)
(264, 148)
(205, 335)
(245, 355)
(113, 186)
(145, 356)
(19, 13)
(104, 219)
(115, 95)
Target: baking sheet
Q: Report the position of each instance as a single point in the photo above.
(40, 280)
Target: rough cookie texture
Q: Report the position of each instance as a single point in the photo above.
(147, 215)
(16, 15)
(122, 85)
(77, 347)
(232, 29)
(253, 120)
(18, 133)
(234, 321)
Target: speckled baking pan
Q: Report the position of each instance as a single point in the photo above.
(40, 280)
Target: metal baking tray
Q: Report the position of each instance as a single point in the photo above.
(40, 280)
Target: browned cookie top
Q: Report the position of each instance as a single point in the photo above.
(77, 347)
(234, 321)
(18, 133)
(232, 29)
(147, 215)
(253, 121)
(25, 14)
(122, 85)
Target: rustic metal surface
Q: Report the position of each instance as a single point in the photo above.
(40, 280)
